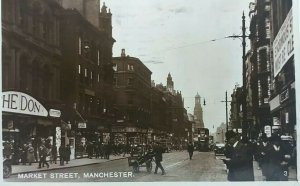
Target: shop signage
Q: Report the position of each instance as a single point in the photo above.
(276, 121)
(82, 125)
(268, 130)
(283, 45)
(284, 95)
(18, 102)
(274, 103)
(54, 113)
(286, 118)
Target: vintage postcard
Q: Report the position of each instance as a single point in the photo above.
(149, 91)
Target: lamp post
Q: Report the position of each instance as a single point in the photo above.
(226, 101)
(244, 95)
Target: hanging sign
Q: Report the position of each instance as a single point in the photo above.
(18, 102)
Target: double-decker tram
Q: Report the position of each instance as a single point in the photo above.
(203, 139)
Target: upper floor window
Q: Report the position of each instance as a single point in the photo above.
(79, 45)
(91, 74)
(115, 67)
(98, 58)
(85, 72)
(268, 28)
(130, 67)
(79, 69)
(130, 81)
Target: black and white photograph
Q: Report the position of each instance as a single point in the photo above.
(114, 91)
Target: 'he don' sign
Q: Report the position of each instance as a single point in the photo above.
(18, 102)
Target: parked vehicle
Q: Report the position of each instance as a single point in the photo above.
(7, 170)
(219, 149)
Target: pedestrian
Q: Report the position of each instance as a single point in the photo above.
(89, 149)
(190, 149)
(62, 152)
(277, 169)
(30, 154)
(158, 150)
(24, 154)
(263, 149)
(43, 155)
(67, 153)
(240, 164)
(54, 153)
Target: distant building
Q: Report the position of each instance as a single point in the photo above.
(235, 109)
(198, 112)
(132, 84)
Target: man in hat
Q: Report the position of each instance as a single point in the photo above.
(158, 150)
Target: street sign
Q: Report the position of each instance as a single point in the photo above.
(54, 113)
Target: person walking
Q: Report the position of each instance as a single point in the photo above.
(62, 152)
(158, 150)
(43, 156)
(54, 153)
(277, 169)
(240, 165)
(190, 149)
(68, 153)
(24, 154)
(263, 149)
(30, 154)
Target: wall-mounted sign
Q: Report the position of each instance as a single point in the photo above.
(268, 130)
(54, 113)
(286, 118)
(18, 102)
(81, 125)
(284, 95)
(283, 45)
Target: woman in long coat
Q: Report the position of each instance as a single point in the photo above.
(277, 169)
(30, 154)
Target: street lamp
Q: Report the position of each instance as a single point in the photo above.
(243, 36)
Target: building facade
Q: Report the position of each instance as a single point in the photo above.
(283, 99)
(132, 84)
(31, 61)
(198, 112)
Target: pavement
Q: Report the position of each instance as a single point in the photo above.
(16, 169)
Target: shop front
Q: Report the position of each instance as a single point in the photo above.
(26, 121)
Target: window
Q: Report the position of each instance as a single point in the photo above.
(130, 81)
(98, 78)
(268, 28)
(79, 69)
(115, 81)
(130, 67)
(85, 72)
(98, 58)
(115, 67)
(91, 74)
(79, 45)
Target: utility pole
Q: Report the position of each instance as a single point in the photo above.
(244, 94)
(226, 101)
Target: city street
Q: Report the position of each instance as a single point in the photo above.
(203, 167)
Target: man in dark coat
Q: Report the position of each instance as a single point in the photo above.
(158, 150)
(190, 150)
(67, 153)
(240, 165)
(43, 155)
(62, 154)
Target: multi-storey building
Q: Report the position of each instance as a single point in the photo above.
(132, 84)
(235, 109)
(259, 68)
(198, 112)
(31, 61)
(87, 78)
(283, 100)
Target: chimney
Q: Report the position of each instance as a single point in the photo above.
(123, 53)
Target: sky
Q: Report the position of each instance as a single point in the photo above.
(175, 36)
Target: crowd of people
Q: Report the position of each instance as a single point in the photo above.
(273, 156)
